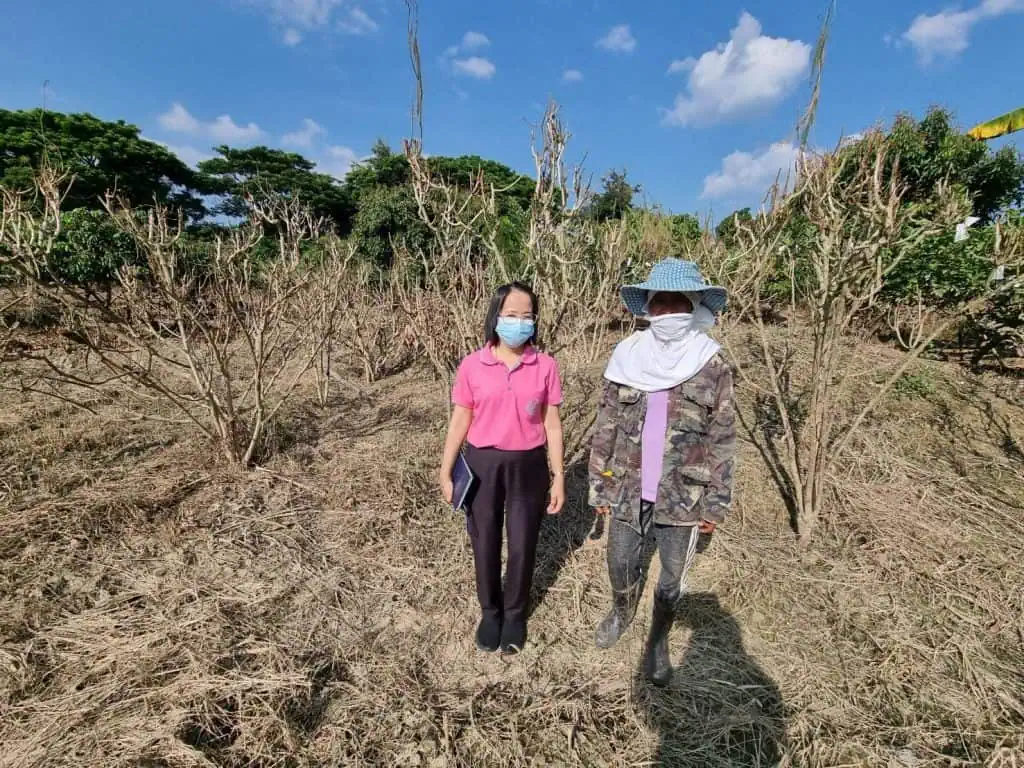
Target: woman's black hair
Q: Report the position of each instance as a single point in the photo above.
(498, 302)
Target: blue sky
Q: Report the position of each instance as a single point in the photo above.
(697, 100)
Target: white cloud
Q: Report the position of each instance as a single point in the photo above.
(224, 128)
(475, 66)
(618, 40)
(338, 162)
(572, 76)
(297, 16)
(302, 13)
(946, 34)
(681, 65)
(179, 120)
(358, 22)
(474, 41)
(469, 66)
(750, 172)
(751, 72)
(304, 137)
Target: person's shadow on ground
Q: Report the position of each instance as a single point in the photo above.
(561, 535)
(720, 709)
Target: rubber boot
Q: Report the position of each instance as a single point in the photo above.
(657, 663)
(623, 609)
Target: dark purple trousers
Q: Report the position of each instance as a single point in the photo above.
(511, 493)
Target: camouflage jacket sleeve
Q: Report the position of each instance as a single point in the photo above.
(721, 449)
(603, 446)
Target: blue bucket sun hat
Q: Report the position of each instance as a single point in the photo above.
(673, 276)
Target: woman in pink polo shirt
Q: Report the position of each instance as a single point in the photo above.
(506, 399)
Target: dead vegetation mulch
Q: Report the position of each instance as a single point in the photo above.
(157, 609)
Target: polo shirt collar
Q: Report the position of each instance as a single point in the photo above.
(487, 356)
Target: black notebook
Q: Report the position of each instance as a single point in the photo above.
(462, 482)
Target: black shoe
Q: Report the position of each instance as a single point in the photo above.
(657, 664)
(488, 633)
(513, 636)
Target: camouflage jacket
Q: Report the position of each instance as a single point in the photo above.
(700, 444)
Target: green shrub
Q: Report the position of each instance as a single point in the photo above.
(915, 386)
(90, 248)
(942, 272)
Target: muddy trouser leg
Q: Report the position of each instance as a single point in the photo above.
(625, 572)
(527, 483)
(485, 519)
(677, 546)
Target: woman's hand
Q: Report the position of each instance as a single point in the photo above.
(458, 428)
(557, 495)
(447, 487)
(603, 511)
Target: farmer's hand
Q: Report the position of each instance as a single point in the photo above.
(557, 495)
(704, 533)
(602, 511)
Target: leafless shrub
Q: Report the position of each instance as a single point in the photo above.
(226, 347)
(293, 221)
(30, 220)
(910, 323)
(861, 229)
(7, 326)
(320, 304)
(374, 329)
(442, 297)
(576, 264)
(453, 279)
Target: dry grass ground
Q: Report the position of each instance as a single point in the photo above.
(157, 610)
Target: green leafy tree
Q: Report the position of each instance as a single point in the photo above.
(615, 198)
(514, 191)
(726, 229)
(387, 211)
(102, 156)
(933, 150)
(686, 231)
(383, 168)
(388, 169)
(260, 171)
(388, 216)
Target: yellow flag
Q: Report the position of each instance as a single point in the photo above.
(1000, 126)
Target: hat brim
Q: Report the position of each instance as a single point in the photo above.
(714, 297)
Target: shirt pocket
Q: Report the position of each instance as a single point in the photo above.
(627, 396)
(532, 402)
(687, 438)
(691, 412)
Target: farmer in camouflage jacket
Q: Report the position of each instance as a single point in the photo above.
(662, 457)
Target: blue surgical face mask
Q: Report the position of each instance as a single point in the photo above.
(515, 331)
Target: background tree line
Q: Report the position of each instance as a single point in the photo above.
(375, 207)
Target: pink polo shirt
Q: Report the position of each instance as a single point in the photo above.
(508, 405)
